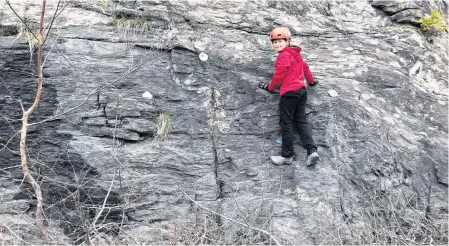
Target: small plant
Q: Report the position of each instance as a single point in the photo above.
(104, 4)
(113, 22)
(434, 21)
(130, 29)
(22, 31)
(137, 20)
(163, 126)
(127, 21)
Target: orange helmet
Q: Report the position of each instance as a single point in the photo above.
(280, 33)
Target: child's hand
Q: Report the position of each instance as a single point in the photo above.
(315, 83)
(263, 85)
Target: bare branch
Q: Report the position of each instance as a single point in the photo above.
(232, 220)
(105, 200)
(21, 20)
(51, 49)
(14, 234)
(6, 144)
(23, 132)
(49, 27)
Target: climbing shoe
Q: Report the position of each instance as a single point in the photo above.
(279, 160)
(312, 159)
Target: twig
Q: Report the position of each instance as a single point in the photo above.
(104, 202)
(21, 20)
(15, 235)
(51, 49)
(54, 18)
(232, 220)
(6, 144)
(7, 88)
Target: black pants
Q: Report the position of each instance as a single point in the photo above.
(293, 114)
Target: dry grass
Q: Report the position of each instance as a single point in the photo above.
(164, 126)
(23, 32)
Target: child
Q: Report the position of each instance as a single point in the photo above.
(290, 70)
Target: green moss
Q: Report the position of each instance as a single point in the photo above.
(434, 21)
(165, 112)
(113, 22)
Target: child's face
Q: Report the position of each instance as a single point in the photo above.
(279, 44)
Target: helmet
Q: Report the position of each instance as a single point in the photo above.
(280, 33)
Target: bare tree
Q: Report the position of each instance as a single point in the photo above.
(25, 116)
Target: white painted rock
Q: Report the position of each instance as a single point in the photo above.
(203, 56)
(147, 95)
(332, 93)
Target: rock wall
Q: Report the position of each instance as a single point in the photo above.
(113, 68)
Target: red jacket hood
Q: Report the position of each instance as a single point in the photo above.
(294, 50)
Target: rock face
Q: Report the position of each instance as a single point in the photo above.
(111, 76)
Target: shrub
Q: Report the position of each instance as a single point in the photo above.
(22, 31)
(127, 21)
(137, 20)
(113, 22)
(434, 21)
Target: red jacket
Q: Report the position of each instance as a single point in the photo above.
(290, 70)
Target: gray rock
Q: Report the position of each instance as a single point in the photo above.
(415, 69)
(393, 7)
(385, 137)
(410, 16)
(139, 125)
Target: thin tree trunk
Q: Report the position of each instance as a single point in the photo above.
(24, 130)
